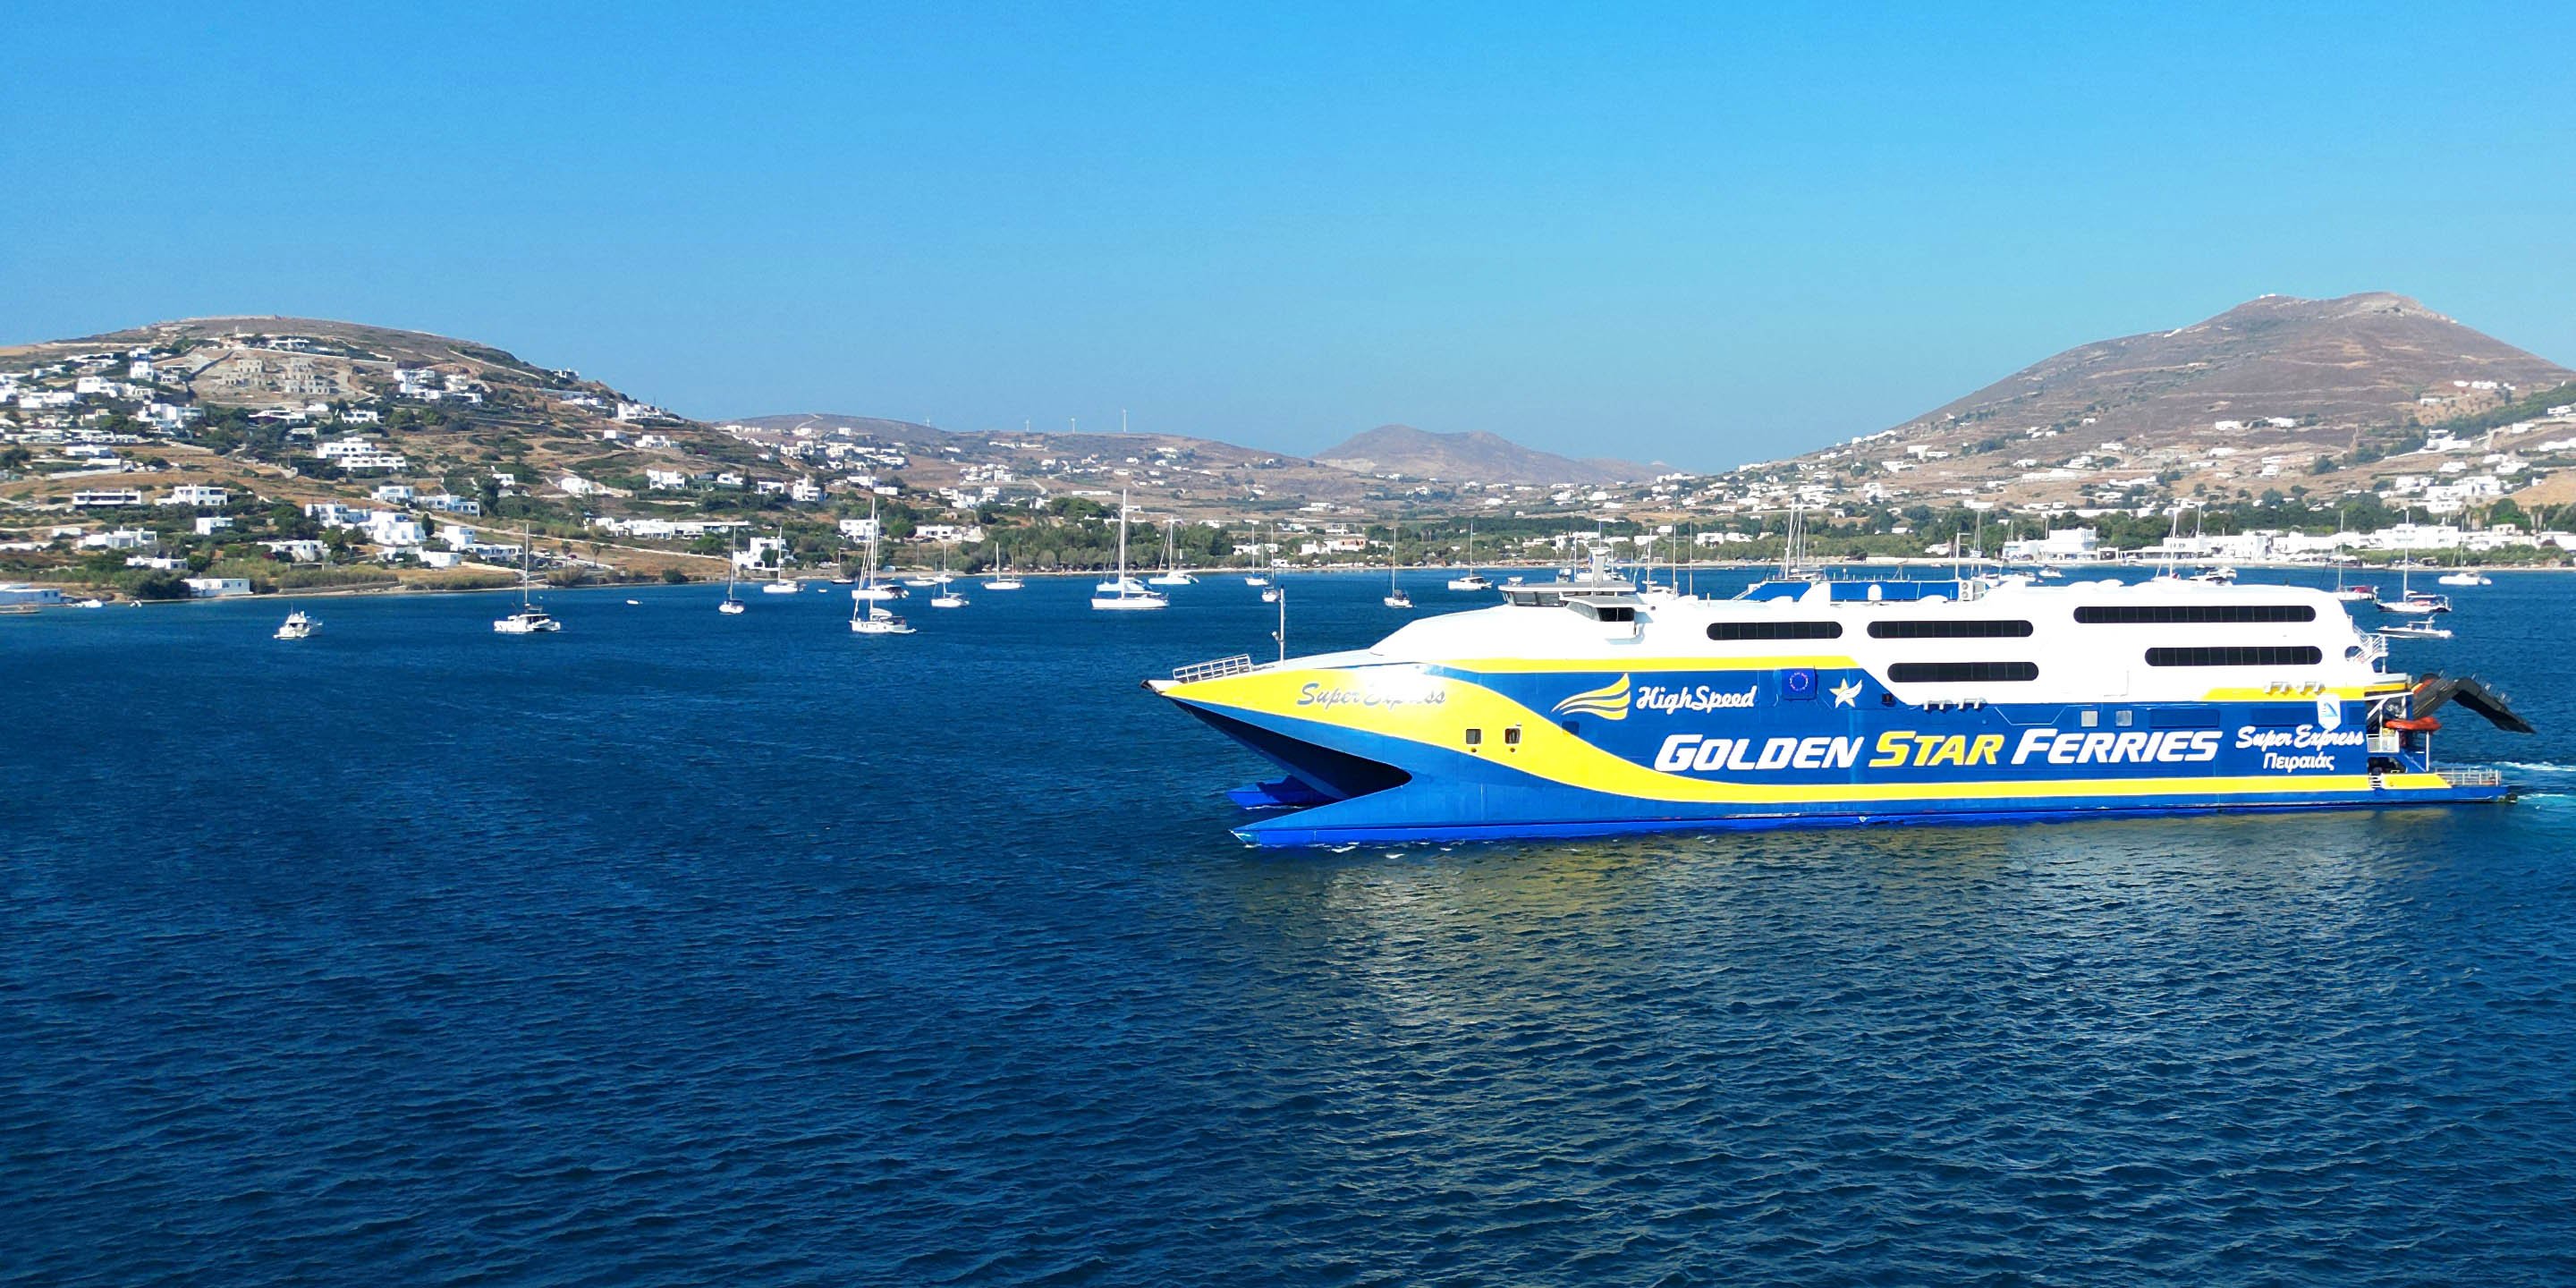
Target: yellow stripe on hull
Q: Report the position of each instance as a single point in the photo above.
(1404, 702)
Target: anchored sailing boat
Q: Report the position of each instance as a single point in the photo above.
(1395, 596)
(784, 585)
(1124, 594)
(731, 605)
(947, 596)
(1255, 577)
(530, 619)
(1172, 574)
(1001, 578)
(2413, 602)
(1474, 580)
(869, 590)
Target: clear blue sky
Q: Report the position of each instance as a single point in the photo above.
(1700, 233)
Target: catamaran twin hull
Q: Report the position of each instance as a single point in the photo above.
(1377, 745)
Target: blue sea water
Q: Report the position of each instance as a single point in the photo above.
(686, 949)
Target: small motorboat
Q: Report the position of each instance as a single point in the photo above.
(2414, 631)
(298, 626)
(2464, 577)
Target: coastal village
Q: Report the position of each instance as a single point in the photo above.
(228, 458)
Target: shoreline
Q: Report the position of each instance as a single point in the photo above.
(79, 590)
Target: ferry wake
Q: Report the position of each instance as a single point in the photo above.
(1596, 706)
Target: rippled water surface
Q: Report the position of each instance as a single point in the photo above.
(684, 949)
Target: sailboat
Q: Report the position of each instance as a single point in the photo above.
(2413, 602)
(784, 585)
(1124, 595)
(730, 605)
(868, 590)
(2349, 594)
(1474, 580)
(1256, 577)
(1001, 578)
(947, 596)
(874, 619)
(530, 619)
(1171, 574)
(841, 565)
(1395, 596)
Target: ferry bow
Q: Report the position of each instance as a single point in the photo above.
(1594, 707)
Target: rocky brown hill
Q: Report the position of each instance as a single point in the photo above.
(2361, 361)
(1472, 456)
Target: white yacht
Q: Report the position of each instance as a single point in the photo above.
(873, 619)
(1002, 578)
(1256, 577)
(530, 619)
(782, 584)
(1474, 580)
(1122, 594)
(870, 590)
(298, 626)
(731, 604)
(1171, 574)
(1395, 596)
(948, 596)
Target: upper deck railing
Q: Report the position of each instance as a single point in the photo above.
(1218, 669)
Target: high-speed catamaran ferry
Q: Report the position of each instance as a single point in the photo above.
(1595, 706)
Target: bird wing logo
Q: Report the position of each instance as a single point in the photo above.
(1610, 702)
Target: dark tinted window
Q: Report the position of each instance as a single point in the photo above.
(1775, 630)
(2249, 655)
(1960, 672)
(2200, 614)
(1939, 630)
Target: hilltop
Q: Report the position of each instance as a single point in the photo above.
(1475, 455)
(2276, 371)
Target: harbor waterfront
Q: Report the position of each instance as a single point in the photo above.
(678, 947)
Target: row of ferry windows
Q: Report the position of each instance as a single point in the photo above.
(2237, 655)
(2104, 615)
(1983, 672)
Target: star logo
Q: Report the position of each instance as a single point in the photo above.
(1846, 694)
